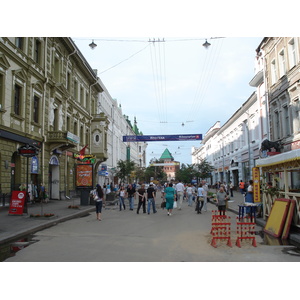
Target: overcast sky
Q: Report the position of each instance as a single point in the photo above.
(174, 85)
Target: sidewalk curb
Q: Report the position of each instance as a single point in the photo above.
(17, 235)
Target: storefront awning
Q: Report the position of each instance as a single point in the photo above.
(280, 159)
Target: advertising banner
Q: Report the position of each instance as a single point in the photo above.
(256, 184)
(84, 176)
(161, 138)
(17, 202)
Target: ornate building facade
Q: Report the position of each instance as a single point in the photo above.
(48, 99)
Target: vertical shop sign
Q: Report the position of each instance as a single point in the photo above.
(256, 184)
(34, 168)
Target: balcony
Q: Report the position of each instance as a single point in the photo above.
(64, 140)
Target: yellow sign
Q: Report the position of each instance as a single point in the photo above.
(256, 184)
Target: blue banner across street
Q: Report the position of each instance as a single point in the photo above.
(155, 138)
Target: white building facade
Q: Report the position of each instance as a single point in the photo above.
(119, 126)
(233, 148)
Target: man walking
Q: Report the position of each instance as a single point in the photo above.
(151, 198)
(130, 195)
(200, 199)
(242, 187)
(179, 191)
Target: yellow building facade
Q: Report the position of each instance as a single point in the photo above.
(48, 99)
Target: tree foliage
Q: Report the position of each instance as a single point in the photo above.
(198, 171)
(124, 169)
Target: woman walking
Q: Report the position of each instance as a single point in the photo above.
(98, 197)
(221, 200)
(122, 197)
(189, 192)
(170, 196)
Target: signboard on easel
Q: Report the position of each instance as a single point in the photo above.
(17, 202)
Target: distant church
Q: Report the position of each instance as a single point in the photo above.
(171, 166)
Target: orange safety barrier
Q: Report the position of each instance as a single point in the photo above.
(245, 231)
(220, 229)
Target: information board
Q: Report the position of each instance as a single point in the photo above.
(84, 176)
(17, 202)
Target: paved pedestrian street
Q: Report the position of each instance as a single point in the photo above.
(125, 236)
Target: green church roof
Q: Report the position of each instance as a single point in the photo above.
(167, 155)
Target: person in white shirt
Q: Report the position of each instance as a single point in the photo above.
(205, 188)
(179, 191)
(189, 192)
(200, 199)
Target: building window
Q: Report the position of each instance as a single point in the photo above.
(81, 135)
(296, 116)
(276, 125)
(287, 130)
(20, 43)
(281, 63)
(57, 69)
(36, 105)
(56, 119)
(292, 53)
(37, 51)
(69, 81)
(18, 100)
(75, 128)
(1, 90)
(68, 123)
(87, 137)
(87, 101)
(81, 96)
(273, 72)
(75, 90)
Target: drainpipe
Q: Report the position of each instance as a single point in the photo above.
(90, 91)
(266, 98)
(43, 114)
(66, 156)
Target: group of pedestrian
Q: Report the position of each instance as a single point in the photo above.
(148, 195)
(173, 196)
(191, 193)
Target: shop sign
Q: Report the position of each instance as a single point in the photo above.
(256, 184)
(17, 202)
(27, 151)
(86, 158)
(73, 138)
(34, 165)
(103, 170)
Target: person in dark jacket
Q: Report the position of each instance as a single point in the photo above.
(130, 194)
(98, 198)
(142, 199)
(151, 198)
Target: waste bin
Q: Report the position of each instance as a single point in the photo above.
(85, 197)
